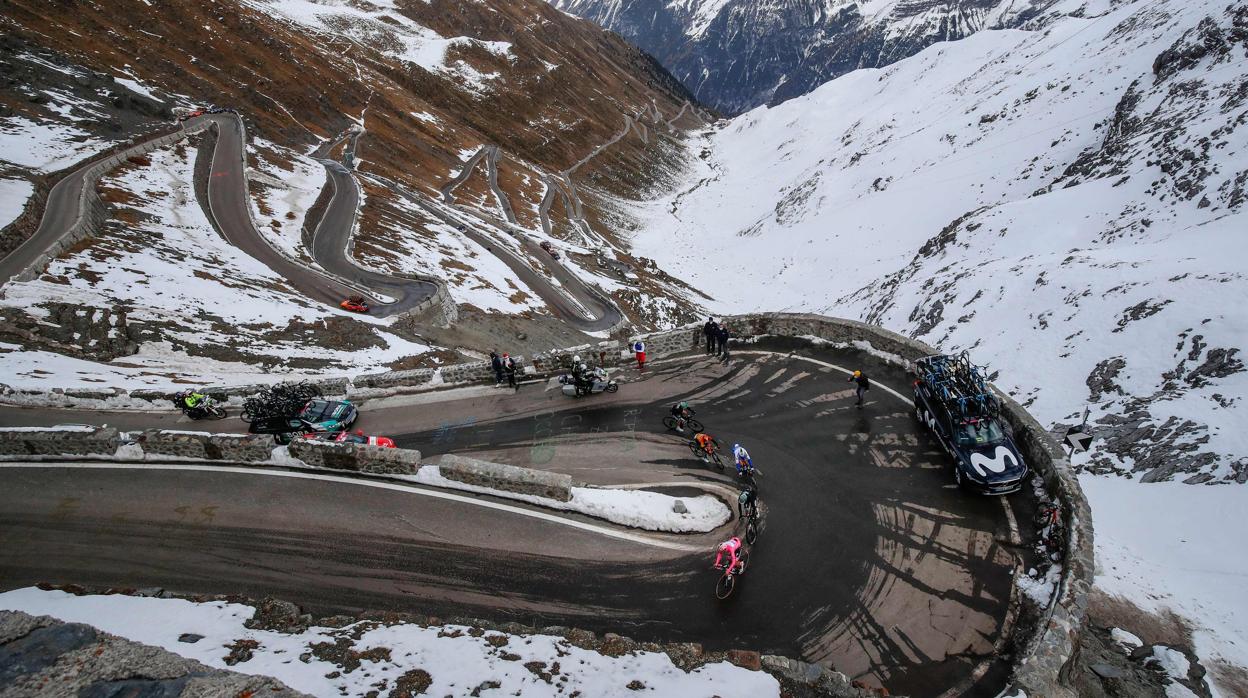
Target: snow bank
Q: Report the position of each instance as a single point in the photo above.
(44, 146)
(455, 661)
(918, 197)
(1169, 545)
(650, 511)
(13, 196)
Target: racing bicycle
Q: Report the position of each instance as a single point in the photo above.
(711, 456)
(728, 580)
(687, 423)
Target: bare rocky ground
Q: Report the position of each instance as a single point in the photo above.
(44, 657)
(1107, 667)
(285, 617)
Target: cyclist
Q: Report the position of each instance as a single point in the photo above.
(742, 457)
(729, 548)
(707, 443)
(681, 411)
(747, 501)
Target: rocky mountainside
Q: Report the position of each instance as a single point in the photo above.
(739, 54)
(1065, 203)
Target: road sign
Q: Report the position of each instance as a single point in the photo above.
(1079, 441)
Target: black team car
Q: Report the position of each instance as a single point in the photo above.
(952, 398)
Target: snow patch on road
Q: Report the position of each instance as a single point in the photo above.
(455, 660)
(650, 511)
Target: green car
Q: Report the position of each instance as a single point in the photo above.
(328, 415)
(317, 416)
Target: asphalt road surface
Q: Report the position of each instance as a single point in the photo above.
(333, 234)
(229, 208)
(868, 559)
(61, 211)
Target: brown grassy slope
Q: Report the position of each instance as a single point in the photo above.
(294, 86)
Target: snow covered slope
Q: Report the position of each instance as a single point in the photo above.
(739, 54)
(1068, 203)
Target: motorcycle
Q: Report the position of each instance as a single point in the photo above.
(206, 408)
(598, 382)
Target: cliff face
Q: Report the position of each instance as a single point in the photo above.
(739, 54)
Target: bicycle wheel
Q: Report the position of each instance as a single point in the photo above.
(696, 450)
(693, 424)
(719, 463)
(669, 422)
(751, 531)
(725, 585)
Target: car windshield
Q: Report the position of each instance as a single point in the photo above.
(319, 410)
(985, 432)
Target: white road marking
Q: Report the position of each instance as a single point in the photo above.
(379, 484)
(842, 369)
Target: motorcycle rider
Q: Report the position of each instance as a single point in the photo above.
(681, 412)
(742, 457)
(192, 399)
(729, 548)
(581, 377)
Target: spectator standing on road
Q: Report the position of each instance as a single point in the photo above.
(496, 363)
(509, 367)
(864, 384)
(710, 329)
(722, 335)
(639, 350)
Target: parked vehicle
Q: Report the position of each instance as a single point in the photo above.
(952, 398)
(328, 415)
(283, 429)
(549, 249)
(352, 437)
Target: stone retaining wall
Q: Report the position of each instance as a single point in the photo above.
(506, 478)
(56, 442)
(360, 458)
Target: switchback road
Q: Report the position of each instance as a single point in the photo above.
(868, 559)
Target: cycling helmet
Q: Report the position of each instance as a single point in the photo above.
(683, 405)
(857, 373)
(576, 359)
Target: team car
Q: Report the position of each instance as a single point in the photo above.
(328, 415)
(356, 437)
(952, 398)
(316, 417)
(355, 304)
